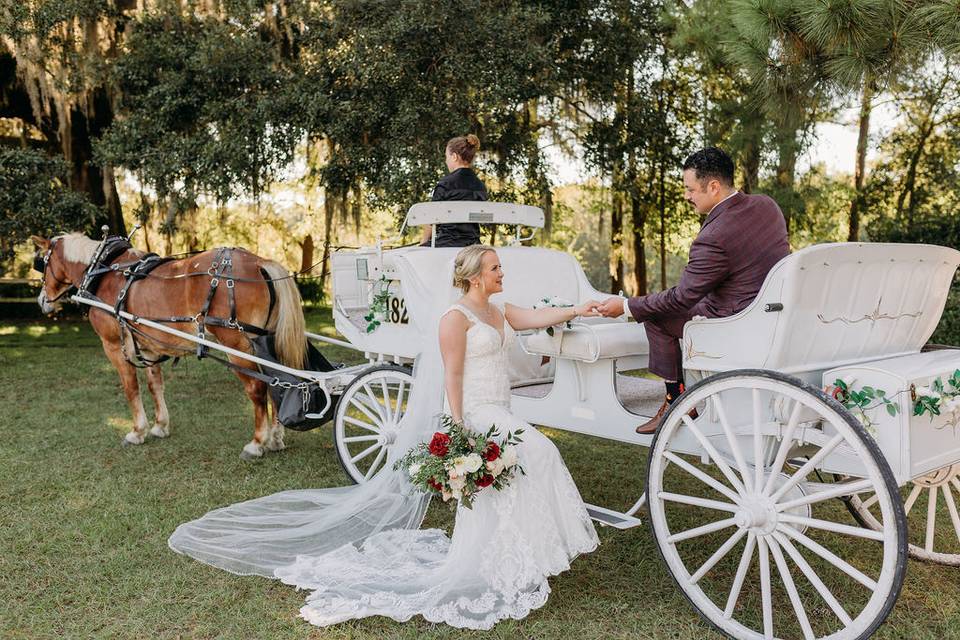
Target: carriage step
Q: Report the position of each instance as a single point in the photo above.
(612, 518)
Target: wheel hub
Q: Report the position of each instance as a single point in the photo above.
(759, 514)
(388, 435)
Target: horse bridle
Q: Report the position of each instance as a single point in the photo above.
(41, 265)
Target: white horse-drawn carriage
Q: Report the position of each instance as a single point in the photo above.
(740, 496)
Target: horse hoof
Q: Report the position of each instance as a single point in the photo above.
(131, 439)
(159, 432)
(251, 452)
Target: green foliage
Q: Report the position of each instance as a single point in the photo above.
(862, 400)
(35, 199)
(205, 108)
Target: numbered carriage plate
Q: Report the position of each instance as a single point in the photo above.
(397, 310)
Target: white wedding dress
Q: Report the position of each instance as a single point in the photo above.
(502, 551)
(360, 549)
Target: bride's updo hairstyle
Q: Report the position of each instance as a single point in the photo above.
(467, 265)
(464, 146)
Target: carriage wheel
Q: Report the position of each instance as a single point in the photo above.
(761, 551)
(367, 418)
(936, 532)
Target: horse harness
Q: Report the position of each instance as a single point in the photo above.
(221, 269)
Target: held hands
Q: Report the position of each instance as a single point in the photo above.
(589, 309)
(611, 307)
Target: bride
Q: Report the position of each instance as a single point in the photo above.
(360, 549)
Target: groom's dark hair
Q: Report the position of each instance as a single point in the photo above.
(711, 164)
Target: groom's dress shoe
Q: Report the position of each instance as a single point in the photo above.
(650, 426)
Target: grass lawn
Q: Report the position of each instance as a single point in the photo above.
(84, 521)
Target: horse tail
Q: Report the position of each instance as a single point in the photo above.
(288, 322)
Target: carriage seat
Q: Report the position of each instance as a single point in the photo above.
(590, 342)
(829, 305)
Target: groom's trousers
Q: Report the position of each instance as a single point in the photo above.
(664, 334)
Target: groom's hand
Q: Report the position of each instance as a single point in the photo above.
(612, 307)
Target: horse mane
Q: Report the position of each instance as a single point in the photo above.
(78, 247)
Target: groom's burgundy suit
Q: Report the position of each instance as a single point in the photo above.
(741, 239)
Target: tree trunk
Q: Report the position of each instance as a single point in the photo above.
(750, 157)
(306, 255)
(866, 105)
(662, 206)
(786, 172)
(616, 243)
(328, 213)
(638, 216)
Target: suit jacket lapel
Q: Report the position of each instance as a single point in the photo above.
(733, 200)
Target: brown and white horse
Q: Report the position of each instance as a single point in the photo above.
(164, 295)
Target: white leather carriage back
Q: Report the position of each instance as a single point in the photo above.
(841, 303)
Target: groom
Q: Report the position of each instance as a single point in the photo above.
(742, 237)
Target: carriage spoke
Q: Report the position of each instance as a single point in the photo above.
(813, 578)
(701, 531)
(952, 508)
(714, 455)
(732, 441)
(354, 400)
(740, 576)
(784, 448)
(809, 466)
(376, 405)
(694, 501)
(364, 453)
(830, 557)
(700, 475)
(361, 438)
(758, 463)
(845, 489)
(718, 555)
(400, 410)
(361, 424)
(872, 500)
(912, 498)
(386, 399)
(376, 463)
(835, 527)
(765, 590)
(931, 518)
(787, 579)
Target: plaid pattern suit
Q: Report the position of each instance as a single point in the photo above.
(740, 241)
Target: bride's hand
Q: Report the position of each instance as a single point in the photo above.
(589, 309)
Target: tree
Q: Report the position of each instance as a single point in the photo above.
(53, 78)
(35, 198)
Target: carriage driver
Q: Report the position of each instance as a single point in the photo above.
(741, 239)
(461, 183)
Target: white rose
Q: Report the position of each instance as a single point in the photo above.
(495, 467)
(457, 494)
(473, 463)
(415, 469)
(458, 466)
(509, 456)
(927, 392)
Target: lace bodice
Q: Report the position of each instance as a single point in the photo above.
(486, 368)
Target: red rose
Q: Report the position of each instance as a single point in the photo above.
(440, 444)
(492, 452)
(838, 394)
(434, 484)
(485, 481)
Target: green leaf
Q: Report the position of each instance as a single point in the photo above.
(892, 409)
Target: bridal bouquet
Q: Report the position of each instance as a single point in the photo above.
(458, 463)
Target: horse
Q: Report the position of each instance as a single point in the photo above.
(256, 296)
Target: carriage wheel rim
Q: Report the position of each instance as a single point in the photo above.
(376, 398)
(772, 545)
(941, 489)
